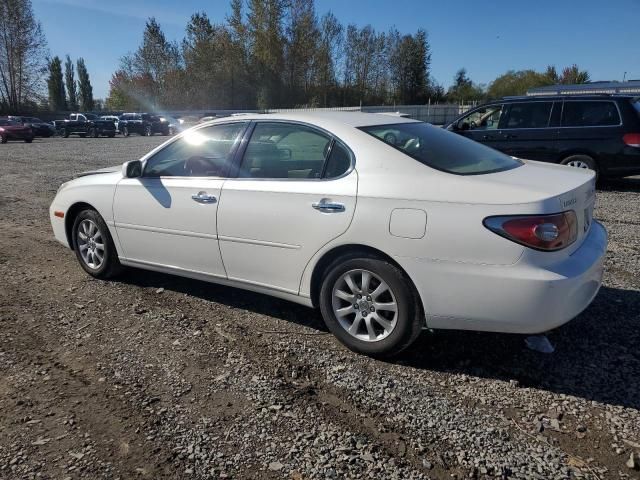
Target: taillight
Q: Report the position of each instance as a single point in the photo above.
(632, 139)
(542, 232)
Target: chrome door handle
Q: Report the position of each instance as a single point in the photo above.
(328, 207)
(203, 197)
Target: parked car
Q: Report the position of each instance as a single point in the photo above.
(39, 128)
(175, 123)
(598, 132)
(58, 126)
(113, 118)
(12, 130)
(142, 124)
(87, 124)
(318, 208)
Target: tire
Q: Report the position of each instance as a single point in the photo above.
(581, 161)
(111, 135)
(172, 131)
(370, 336)
(65, 133)
(4, 139)
(83, 135)
(147, 131)
(125, 131)
(84, 243)
(28, 140)
(94, 133)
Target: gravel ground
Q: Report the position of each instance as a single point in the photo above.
(154, 376)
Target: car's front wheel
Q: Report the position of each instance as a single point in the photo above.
(94, 246)
(370, 306)
(147, 131)
(125, 131)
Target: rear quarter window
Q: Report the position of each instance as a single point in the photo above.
(590, 114)
(442, 150)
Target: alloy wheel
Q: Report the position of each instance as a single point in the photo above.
(578, 164)
(364, 305)
(90, 244)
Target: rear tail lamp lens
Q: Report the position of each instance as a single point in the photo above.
(632, 139)
(541, 232)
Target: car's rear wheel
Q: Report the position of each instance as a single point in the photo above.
(369, 305)
(125, 131)
(581, 161)
(65, 133)
(93, 133)
(94, 246)
(147, 131)
(28, 140)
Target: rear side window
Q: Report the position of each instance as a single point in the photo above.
(529, 115)
(636, 104)
(590, 114)
(442, 150)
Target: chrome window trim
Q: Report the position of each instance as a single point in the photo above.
(333, 138)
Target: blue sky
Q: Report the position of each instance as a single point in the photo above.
(487, 38)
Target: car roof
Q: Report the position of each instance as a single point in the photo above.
(533, 98)
(324, 119)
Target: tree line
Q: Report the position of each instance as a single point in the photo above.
(272, 53)
(264, 54)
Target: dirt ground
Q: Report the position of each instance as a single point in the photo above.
(154, 376)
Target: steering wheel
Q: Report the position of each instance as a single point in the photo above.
(473, 124)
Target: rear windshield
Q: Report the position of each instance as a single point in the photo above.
(442, 150)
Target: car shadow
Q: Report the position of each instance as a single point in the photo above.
(596, 355)
(629, 184)
(229, 296)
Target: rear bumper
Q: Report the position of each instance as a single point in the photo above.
(512, 299)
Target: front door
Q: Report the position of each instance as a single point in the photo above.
(482, 125)
(295, 192)
(167, 218)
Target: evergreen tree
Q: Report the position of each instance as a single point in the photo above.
(55, 84)
(85, 88)
(70, 83)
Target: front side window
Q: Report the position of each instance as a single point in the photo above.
(485, 118)
(589, 114)
(283, 150)
(443, 150)
(529, 115)
(206, 152)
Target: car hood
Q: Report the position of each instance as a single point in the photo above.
(115, 168)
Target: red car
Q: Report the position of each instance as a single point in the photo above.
(11, 130)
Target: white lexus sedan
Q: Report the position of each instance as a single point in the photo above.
(386, 235)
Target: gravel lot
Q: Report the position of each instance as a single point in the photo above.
(155, 376)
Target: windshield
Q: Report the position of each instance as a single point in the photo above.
(442, 150)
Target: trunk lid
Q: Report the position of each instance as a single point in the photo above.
(549, 188)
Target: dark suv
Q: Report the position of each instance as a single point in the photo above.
(142, 124)
(601, 132)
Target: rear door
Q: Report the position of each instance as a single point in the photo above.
(592, 127)
(528, 131)
(295, 192)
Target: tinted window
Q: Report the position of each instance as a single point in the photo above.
(338, 163)
(636, 104)
(205, 152)
(529, 115)
(485, 118)
(444, 150)
(282, 150)
(589, 114)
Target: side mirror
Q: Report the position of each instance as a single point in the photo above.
(132, 169)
